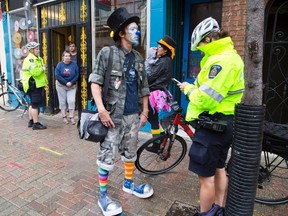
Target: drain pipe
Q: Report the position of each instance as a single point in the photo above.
(245, 159)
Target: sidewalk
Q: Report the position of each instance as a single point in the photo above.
(53, 172)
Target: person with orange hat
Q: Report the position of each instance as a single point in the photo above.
(159, 79)
(127, 104)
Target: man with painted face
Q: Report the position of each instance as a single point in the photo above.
(127, 103)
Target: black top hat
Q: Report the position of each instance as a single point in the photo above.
(169, 43)
(119, 19)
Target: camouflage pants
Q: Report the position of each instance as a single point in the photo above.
(124, 138)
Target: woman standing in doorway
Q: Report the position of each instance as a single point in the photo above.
(67, 73)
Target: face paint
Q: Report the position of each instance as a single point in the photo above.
(133, 33)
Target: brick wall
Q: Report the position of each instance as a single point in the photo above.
(234, 22)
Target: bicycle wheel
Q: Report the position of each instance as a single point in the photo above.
(8, 101)
(273, 180)
(163, 161)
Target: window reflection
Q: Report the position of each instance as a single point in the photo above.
(103, 9)
(23, 29)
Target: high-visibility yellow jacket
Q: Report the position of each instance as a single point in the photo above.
(33, 66)
(220, 83)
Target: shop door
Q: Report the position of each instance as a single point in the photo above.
(58, 40)
(59, 23)
(195, 13)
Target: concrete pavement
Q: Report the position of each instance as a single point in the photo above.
(52, 172)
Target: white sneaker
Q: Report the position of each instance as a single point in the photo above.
(142, 191)
(108, 206)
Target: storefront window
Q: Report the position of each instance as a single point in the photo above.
(103, 9)
(23, 29)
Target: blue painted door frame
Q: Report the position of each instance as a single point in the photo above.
(157, 30)
(189, 72)
(157, 21)
(186, 51)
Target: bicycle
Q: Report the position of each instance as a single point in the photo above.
(166, 158)
(12, 98)
(273, 170)
(272, 187)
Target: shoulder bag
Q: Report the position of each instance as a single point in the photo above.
(89, 125)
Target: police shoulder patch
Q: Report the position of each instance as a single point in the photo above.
(31, 60)
(214, 70)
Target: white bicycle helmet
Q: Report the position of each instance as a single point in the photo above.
(32, 45)
(202, 30)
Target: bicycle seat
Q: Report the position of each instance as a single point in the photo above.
(275, 139)
(276, 131)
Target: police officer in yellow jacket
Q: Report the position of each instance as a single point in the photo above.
(212, 98)
(34, 80)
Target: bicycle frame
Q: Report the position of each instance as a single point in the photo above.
(179, 120)
(13, 91)
(19, 95)
(173, 147)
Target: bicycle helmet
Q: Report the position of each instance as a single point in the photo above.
(202, 30)
(32, 45)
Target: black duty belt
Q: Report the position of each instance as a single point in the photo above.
(216, 122)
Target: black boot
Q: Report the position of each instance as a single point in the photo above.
(220, 212)
(38, 126)
(30, 123)
(214, 211)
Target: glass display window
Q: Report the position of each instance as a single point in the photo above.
(104, 8)
(23, 29)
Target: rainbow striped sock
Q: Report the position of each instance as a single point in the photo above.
(103, 179)
(129, 169)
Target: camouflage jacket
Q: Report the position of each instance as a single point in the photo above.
(117, 85)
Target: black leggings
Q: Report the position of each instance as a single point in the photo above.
(153, 118)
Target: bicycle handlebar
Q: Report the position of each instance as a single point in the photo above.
(2, 80)
(176, 107)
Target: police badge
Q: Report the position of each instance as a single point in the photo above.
(214, 70)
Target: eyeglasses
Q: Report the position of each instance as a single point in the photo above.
(159, 47)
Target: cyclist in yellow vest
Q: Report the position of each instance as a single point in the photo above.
(217, 88)
(34, 80)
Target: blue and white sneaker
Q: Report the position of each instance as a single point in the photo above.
(108, 206)
(142, 191)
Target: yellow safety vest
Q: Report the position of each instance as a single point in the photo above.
(33, 66)
(220, 83)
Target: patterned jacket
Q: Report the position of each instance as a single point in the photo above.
(117, 85)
